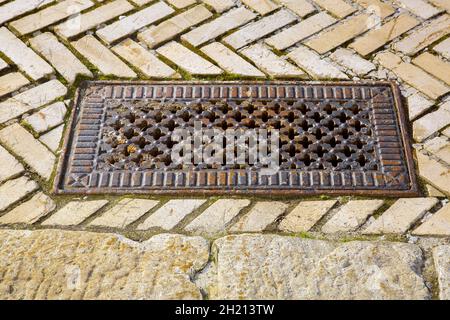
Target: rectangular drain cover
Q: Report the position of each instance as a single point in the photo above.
(216, 137)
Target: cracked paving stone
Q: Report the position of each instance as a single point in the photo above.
(277, 267)
(86, 265)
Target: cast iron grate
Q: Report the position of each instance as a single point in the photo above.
(335, 138)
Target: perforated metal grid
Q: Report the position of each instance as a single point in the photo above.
(338, 138)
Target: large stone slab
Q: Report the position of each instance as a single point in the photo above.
(441, 257)
(276, 267)
(54, 264)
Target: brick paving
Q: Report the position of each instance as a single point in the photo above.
(46, 47)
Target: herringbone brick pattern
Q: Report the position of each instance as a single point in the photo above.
(47, 47)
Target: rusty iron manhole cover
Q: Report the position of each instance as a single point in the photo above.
(221, 137)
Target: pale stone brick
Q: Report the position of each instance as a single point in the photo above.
(59, 56)
(16, 8)
(31, 99)
(270, 63)
(444, 4)
(435, 173)
(134, 22)
(300, 31)
(441, 257)
(102, 58)
(125, 212)
(168, 29)
(413, 75)
(419, 8)
(343, 32)
(431, 122)
(31, 211)
(74, 213)
(382, 9)
(179, 4)
(3, 64)
(171, 214)
(443, 48)
(52, 138)
(401, 216)
(440, 147)
(22, 143)
(15, 190)
(446, 132)
(47, 117)
(78, 24)
(433, 65)
(354, 62)
(260, 217)
(50, 15)
(305, 215)
(216, 218)
(339, 8)
(144, 60)
(375, 39)
(142, 2)
(9, 167)
(230, 61)
(10, 82)
(314, 65)
(228, 21)
(188, 60)
(424, 36)
(259, 29)
(263, 7)
(437, 225)
(352, 215)
(220, 5)
(299, 7)
(433, 192)
(417, 105)
(25, 58)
